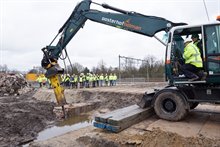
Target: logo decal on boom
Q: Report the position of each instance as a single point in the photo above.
(124, 24)
(129, 25)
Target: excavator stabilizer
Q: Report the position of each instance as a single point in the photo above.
(146, 100)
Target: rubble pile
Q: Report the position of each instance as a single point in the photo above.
(13, 84)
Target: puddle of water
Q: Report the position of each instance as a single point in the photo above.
(70, 124)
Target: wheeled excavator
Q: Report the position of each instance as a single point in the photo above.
(174, 101)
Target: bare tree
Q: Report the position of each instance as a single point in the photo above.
(94, 69)
(86, 70)
(76, 68)
(101, 67)
(4, 68)
(152, 67)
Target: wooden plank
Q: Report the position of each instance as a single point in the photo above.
(121, 120)
(189, 82)
(107, 127)
(104, 118)
(132, 117)
(129, 121)
(125, 112)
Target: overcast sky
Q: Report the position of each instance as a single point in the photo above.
(28, 25)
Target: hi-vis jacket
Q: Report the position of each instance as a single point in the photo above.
(192, 55)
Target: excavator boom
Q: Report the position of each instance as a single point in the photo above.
(130, 21)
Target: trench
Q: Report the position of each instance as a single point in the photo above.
(76, 119)
(80, 110)
(70, 124)
(73, 122)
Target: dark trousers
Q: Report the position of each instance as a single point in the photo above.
(191, 71)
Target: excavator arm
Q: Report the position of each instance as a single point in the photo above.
(126, 20)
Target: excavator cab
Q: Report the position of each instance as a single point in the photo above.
(209, 49)
(181, 95)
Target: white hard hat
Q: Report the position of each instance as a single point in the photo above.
(187, 40)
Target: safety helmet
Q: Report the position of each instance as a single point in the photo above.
(187, 40)
(195, 36)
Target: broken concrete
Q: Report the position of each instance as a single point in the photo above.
(13, 84)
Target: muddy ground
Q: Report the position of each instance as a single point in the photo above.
(145, 133)
(144, 138)
(22, 117)
(135, 136)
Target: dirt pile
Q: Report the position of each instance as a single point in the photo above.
(106, 99)
(13, 84)
(22, 117)
(110, 100)
(161, 138)
(145, 139)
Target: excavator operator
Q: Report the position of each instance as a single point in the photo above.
(193, 61)
(196, 40)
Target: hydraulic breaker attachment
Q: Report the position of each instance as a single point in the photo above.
(53, 74)
(59, 91)
(146, 100)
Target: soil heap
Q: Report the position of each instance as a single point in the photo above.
(22, 117)
(13, 84)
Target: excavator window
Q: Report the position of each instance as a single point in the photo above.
(176, 54)
(177, 48)
(212, 46)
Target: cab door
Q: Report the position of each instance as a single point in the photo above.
(212, 52)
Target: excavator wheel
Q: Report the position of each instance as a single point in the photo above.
(170, 105)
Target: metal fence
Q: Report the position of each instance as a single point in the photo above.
(140, 80)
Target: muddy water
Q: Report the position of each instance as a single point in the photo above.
(70, 124)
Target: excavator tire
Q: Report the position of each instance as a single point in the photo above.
(170, 105)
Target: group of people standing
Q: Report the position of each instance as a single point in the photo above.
(42, 80)
(88, 80)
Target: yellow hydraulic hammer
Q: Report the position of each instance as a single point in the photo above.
(59, 91)
(53, 74)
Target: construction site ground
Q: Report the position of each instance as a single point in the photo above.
(32, 120)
